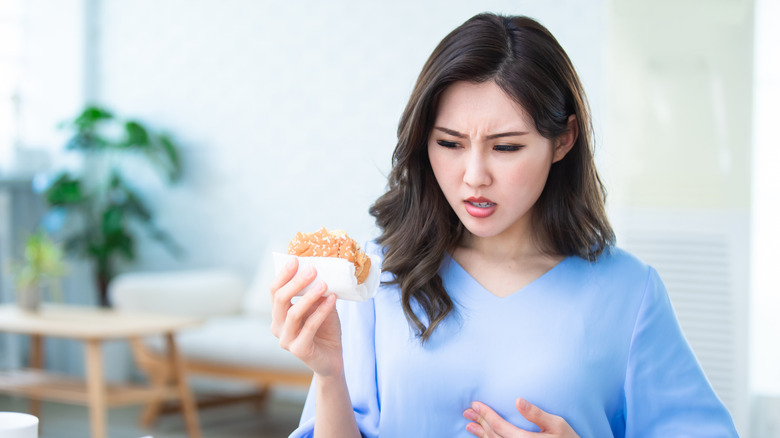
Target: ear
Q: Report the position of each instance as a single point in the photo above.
(564, 142)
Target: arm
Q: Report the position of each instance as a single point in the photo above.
(311, 330)
(666, 391)
(334, 416)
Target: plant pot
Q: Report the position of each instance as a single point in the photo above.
(29, 299)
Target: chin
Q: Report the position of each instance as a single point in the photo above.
(482, 230)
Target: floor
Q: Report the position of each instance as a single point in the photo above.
(276, 420)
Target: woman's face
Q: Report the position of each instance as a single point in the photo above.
(488, 158)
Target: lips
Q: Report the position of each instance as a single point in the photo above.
(480, 207)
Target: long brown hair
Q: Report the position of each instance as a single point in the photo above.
(419, 226)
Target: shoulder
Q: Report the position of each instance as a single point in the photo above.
(619, 281)
(618, 259)
(373, 248)
(377, 254)
(616, 268)
(375, 251)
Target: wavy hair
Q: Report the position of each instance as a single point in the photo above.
(417, 224)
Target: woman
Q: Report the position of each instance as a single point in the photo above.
(505, 309)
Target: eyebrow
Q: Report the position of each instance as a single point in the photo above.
(489, 137)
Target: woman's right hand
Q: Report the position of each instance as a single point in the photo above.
(310, 328)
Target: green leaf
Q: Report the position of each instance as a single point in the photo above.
(115, 180)
(136, 136)
(43, 260)
(171, 153)
(113, 220)
(97, 251)
(123, 196)
(124, 243)
(90, 117)
(64, 191)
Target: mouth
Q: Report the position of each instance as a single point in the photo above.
(480, 207)
(480, 202)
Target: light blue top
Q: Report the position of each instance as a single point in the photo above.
(596, 343)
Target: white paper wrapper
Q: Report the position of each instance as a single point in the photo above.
(338, 274)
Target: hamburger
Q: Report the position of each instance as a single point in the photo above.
(331, 243)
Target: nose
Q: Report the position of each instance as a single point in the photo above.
(476, 172)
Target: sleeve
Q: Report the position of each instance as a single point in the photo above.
(666, 391)
(357, 328)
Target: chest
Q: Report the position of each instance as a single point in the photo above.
(505, 277)
(556, 355)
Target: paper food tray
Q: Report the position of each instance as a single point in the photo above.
(338, 274)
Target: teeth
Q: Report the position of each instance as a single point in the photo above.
(482, 204)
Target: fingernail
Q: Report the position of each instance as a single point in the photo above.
(290, 263)
(471, 428)
(475, 406)
(522, 404)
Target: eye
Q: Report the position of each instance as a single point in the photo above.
(507, 147)
(447, 144)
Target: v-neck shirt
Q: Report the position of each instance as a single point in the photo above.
(461, 276)
(596, 343)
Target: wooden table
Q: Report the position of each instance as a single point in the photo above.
(93, 326)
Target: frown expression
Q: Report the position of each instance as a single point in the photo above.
(488, 158)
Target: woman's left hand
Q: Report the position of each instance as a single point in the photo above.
(488, 424)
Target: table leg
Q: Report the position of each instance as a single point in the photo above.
(96, 388)
(178, 374)
(36, 362)
(158, 374)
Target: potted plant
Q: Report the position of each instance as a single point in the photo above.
(97, 208)
(40, 270)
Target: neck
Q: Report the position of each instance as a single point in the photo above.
(515, 243)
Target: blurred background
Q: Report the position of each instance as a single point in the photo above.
(284, 115)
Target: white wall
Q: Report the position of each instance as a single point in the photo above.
(765, 213)
(287, 111)
(45, 75)
(679, 147)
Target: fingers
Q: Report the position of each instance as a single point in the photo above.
(547, 422)
(286, 285)
(312, 324)
(285, 275)
(299, 314)
(488, 424)
(476, 428)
